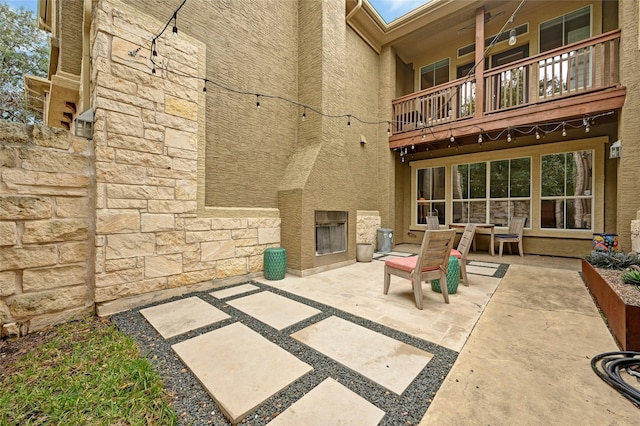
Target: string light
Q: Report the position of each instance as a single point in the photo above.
(174, 30)
(348, 121)
(480, 138)
(388, 128)
(508, 135)
(537, 134)
(257, 101)
(304, 114)
(564, 130)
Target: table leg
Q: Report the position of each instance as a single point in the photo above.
(491, 241)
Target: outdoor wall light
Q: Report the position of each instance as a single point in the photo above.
(512, 37)
(615, 151)
(84, 124)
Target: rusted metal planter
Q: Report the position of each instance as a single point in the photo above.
(623, 319)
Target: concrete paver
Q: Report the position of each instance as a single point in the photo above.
(239, 368)
(330, 403)
(277, 311)
(174, 318)
(233, 291)
(384, 360)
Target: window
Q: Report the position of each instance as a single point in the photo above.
(566, 29)
(431, 194)
(470, 193)
(434, 74)
(566, 190)
(509, 189)
(505, 194)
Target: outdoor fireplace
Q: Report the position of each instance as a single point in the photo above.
(331, 232)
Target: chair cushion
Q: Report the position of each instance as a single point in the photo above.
(506, 236)
(456, 253)
(407, 264)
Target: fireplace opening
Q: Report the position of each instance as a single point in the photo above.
(331, 232)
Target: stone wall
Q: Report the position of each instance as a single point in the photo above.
(152, 242)
(367, 224)
(45, 228)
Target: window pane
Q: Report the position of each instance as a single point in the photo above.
(460, 211)
(520, 182)
(553, 168)
(478, 180)
(579, 213)
(521, 208)
(438, 183)
(430, 194)
(499, 179)
(579, 173)
(434, 74)
(551, 34)
(477, 212)
(552, 214)
(460, 173)
(499, 213)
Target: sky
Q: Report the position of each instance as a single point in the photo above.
(27, 4)
(393, 9)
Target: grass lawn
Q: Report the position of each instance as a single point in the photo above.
(83, 372)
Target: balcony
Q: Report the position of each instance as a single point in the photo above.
(576, 81)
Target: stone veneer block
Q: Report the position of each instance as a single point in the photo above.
(330, 403)
(174, 318)
(239, 368)
(384, 360)
(228, 292)
(277, 311)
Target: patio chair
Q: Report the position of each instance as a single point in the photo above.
(513, 235)
(432, 223)
(463, 250)
(431, 263)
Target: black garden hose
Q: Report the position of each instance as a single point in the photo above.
(608, 366)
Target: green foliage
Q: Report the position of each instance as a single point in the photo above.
(87, 374)
(612, 260)
(631, 277)
(24, 49)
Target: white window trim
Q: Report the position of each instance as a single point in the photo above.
(597, 144)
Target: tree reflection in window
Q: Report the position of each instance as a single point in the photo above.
(567, 190)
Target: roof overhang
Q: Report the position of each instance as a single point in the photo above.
(435, 18)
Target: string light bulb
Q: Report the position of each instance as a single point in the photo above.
(174, 30)
(480, 138)
(564, 130)
(258, 101)
(512, 37)
(348, 121)
(304, 114)
(537, 134)
(509, 136)
(388, 128)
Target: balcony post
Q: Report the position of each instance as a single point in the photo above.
(479, 71)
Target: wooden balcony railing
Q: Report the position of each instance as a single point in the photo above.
(581, 67)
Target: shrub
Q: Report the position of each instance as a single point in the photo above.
(612, 260)
(631, 277)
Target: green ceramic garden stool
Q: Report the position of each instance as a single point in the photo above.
(275, 263)
(453, 277)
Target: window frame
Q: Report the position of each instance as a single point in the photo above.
(435, 67)
(597, 144)
(563, 16)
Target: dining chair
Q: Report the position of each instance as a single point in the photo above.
(431, 263)
(432, 223)
(513, 235)
(462, 251)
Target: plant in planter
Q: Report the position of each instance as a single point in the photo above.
(603, 274)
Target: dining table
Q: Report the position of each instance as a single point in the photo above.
(489, 226)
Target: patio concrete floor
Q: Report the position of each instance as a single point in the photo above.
(525, 342)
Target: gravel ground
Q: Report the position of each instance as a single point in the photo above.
(195, 407)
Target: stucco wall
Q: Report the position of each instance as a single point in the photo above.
(628, 170)
(46, 230)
